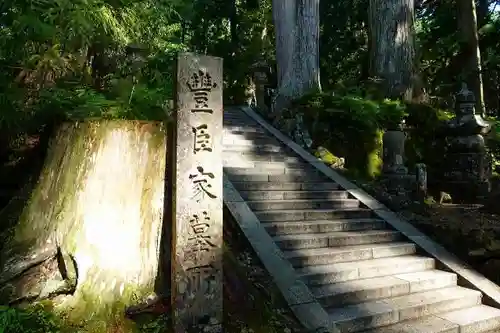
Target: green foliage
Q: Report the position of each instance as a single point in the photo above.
(423, 145)
(351, 126)
(32, 320)
(134, 102)
(73, 60)
(344, 42)
(159, 324)
(493, 142)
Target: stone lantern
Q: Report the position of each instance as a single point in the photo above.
(467, 169)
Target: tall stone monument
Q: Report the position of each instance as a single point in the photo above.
(467, 169)
(196, 189)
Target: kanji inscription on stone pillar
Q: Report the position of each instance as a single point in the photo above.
(196, 155)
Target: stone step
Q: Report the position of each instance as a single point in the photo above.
(475, 319)
(291, 186)
(363, 269)
(306, 227)
(358, 291)
(328, 255)
(267, 157)
(239, 141)
(237, 129)
(306, 170)
(235, 115)
(480, 318)
(240, 122)
(305, 177)
(289, 195)
(313, 214)
(356, 318)
(263, 165)
(336, 239)
(247, 135)
(303, 204)
(255, 148)
(231, 110)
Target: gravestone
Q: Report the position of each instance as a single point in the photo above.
(393, 144)
(394, 173)
(197, 195)
(260, 78)
(421, 179)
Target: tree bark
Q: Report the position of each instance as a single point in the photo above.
(99, 201)
(233, 24)
(467, 22)
(297, 49)
(392, 47)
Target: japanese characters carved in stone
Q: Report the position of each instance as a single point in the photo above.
(196, 155)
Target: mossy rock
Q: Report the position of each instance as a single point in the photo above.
(327, 157)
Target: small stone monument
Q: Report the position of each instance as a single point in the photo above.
(394, 173)
(196, 195)
(393, 144)
(467, 162)
(261, 81)
(421, 179)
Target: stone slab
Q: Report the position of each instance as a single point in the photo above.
(480, 318)
(388, 311)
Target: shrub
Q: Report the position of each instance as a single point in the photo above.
(493, 141)
(351, 126)
(32, 320)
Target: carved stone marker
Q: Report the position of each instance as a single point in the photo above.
(261, 81)
(197, 195)
(393, 144)
(421, 178)
(394, 173)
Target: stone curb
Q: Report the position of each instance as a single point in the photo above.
(467, 276)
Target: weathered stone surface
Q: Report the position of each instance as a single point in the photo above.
(261, 80)
(393, 152)
(197, 195)
(421, 178)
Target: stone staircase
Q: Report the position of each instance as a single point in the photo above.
(342, 265)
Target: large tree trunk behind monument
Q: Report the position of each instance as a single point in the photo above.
(391, 27)
(100, 200)
(297, 49)
(470, 54)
